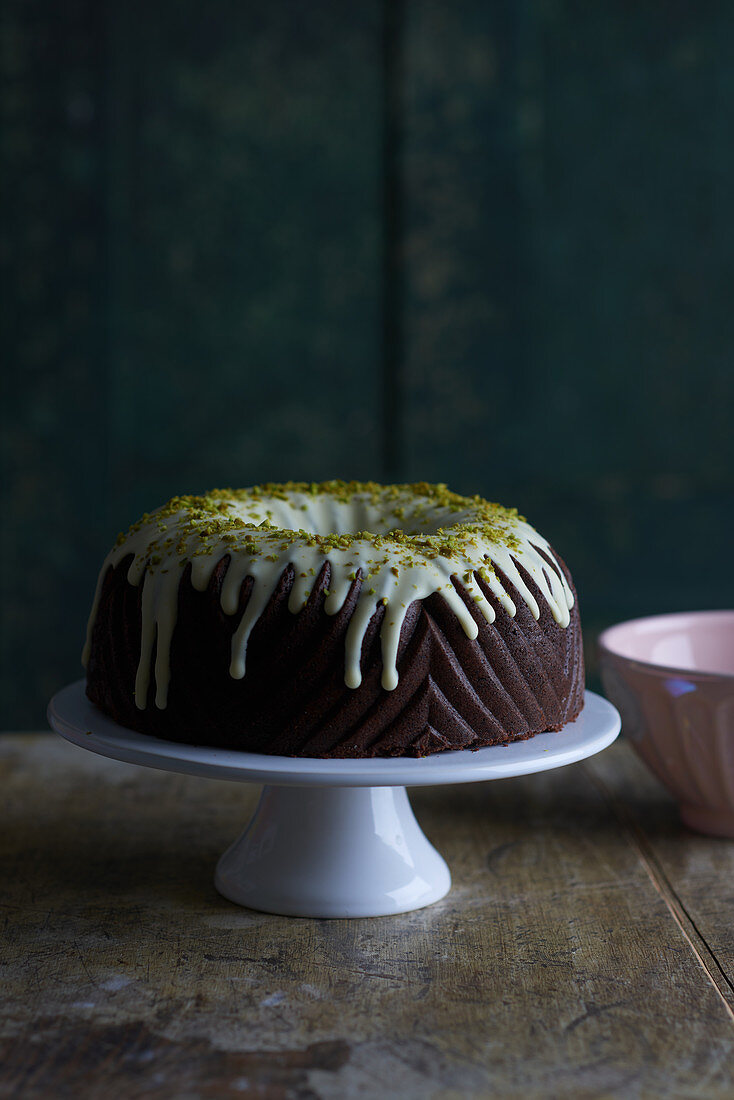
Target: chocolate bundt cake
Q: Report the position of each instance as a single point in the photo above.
(341, 619)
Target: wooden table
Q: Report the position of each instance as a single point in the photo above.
(586, 948)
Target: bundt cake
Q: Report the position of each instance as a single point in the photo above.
(338, 619)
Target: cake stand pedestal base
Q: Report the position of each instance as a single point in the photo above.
(334, 838)
(333, 852)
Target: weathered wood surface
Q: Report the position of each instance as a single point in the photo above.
(585, 950)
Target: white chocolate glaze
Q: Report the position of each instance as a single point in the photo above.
(399, 543)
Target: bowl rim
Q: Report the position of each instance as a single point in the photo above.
(606, 649)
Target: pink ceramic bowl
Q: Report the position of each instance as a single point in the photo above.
(672, 679)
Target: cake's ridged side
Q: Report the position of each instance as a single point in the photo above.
(518, 678)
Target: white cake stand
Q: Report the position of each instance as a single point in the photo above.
(333, 838)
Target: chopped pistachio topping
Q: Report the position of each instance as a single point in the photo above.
(204, 523)
(366, 539)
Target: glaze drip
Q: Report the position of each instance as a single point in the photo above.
(396, 543)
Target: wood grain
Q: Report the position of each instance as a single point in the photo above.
(554, 967)
(691, 872)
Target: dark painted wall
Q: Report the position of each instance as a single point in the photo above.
(487, 244)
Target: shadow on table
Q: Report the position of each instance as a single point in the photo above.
(570, 798)
(100, 864)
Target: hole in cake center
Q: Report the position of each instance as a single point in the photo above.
(325, 515)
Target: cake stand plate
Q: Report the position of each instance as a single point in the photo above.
(334, 838)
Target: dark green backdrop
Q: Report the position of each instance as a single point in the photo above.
(483, 243)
